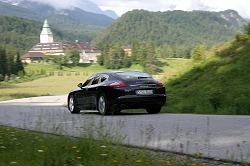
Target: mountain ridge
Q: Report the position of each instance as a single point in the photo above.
(86, 5)
(182, 30)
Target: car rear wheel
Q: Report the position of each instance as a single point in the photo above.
(153, 110)
(102, 104)
(71, 105)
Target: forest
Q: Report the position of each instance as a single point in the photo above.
(180, 31)
(10, 63)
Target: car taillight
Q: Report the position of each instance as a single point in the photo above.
(117, 85)
(159, 83)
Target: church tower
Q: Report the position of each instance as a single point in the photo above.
(46, 35)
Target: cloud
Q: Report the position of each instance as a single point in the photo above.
(59, 4)
(122, 6)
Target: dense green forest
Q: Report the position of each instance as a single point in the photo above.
(10, 63)
(179, 30)
(217, 84)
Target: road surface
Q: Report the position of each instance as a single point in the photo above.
(216, 136)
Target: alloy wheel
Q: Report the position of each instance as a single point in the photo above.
(102, 104)
(71, 104)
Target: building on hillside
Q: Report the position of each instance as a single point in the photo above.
(88, 52)
(46, 35)
(127, 50)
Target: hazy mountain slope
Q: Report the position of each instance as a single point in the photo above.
(233, 17)
(37, 11)
(85, 5)
(7, 9)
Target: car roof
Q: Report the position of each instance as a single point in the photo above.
(117, 71)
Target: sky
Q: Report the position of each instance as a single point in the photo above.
(123, 6)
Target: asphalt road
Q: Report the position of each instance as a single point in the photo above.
(221, 137)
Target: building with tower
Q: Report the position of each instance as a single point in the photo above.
(46, 35)
(88, 53)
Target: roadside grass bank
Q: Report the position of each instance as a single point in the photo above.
(219, 84)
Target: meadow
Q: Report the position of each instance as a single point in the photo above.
(47, 80)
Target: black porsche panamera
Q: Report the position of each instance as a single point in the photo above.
(111, 92)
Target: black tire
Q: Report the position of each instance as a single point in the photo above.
(102, 104)
(153, 110)
(72, 106)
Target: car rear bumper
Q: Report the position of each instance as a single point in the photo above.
(139, 101)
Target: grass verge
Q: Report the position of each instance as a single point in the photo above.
(22, 147)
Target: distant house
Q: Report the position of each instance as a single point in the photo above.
(127, 50)
(88, 53)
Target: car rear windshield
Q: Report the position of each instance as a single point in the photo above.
(132, 75)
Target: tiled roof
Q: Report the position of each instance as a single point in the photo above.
(63, 46)
(126, 47)
(47, 46)
(33, 55)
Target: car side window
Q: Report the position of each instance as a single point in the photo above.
(103, 78)
(96, 80)
(89, 81)
(99, 79)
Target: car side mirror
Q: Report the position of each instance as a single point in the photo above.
(80, 85)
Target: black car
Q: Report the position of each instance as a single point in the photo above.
(111, 92)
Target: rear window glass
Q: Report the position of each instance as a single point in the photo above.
(132, 75)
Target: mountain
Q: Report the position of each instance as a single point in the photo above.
(247, 19)
(76, 13)
(181, 28)
(7, 9)
(81, 25)
(233, 17)
(89, 6)
(52, 6)
(38, 11)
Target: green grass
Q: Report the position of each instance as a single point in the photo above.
(61, 81)
(22, 147)
(219, 85)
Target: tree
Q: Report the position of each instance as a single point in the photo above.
(198, 53)
(10, 56)
(3, 62)
(100, 59)
(57, 60)
(19, 64)
(135, 47)
(126, 63)
(141, 54)
(246, 28)
(116, 55)
(151, 60)
(170, 52)
(74, 56)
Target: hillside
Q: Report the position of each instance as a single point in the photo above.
(23, 34)
(11, 10)
(175, 28)
(81, 25)
(219, 85)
